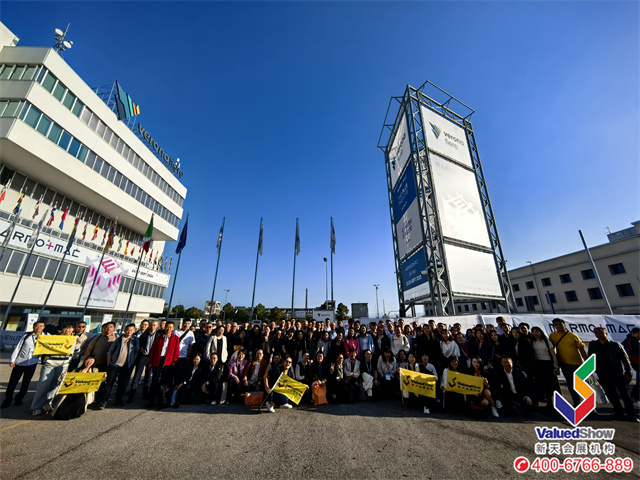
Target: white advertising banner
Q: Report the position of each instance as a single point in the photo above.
(472, 272)
(54, 247)
(399, 152)
(445, 137)
(105, 289)
(459, 204)
(322, 315)
(32, 318)
(406, 212)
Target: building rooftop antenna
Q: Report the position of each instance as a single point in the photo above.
(61, 44)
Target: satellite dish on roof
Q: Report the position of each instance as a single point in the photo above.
(59, 32)
(67, 44)
(61, 44)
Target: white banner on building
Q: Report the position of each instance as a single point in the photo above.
(54, 247)
(105, 290)
(459, 204)
(399, 152)
(445, 137)
(472, 272)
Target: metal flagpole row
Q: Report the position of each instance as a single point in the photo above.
(215, 277)
(175, 277)
(296, 251)
(182, 242)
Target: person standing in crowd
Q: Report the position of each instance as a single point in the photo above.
(522, 350)
(99, 346)
(352, 375)
(570, 352)
(614, 372)
(202, 336)
(545, 367)
(514, 387)
(399, 342)
(413, 398)
(387, 374)
(164, 354)
(448, 348)
(369, 373)
(631, 345)
(120, 358)
(366, 341)
(23, 365)
(187, 339)
(351, 343)
(144, 325)
(218, 344)
(212, 388)
(145, 342)
(53, 367)
(82, 342)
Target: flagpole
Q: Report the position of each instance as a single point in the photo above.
(175, 277)
(84, 310)
(333, 249)
(295, 254)
(215, 277)
(126, 312)
(255, 277)
(333, 306)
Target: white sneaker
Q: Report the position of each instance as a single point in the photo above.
(214, 403)
(427, 411)
(287, 405)
(498, 404)
(270, 408)
(494, 412)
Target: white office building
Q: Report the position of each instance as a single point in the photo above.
(62, 145)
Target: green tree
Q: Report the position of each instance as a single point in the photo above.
(342, 312)
(242, 315)
(261, 312)
(229, 313)
(276, 314)
(177, 311)
(193, 312)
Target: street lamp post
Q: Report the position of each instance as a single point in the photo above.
(377, 308)
(224, 313)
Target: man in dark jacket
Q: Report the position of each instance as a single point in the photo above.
(614, 372)
(145, 341)
(514, 387)
(631, 345)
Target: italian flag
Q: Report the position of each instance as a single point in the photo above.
(147, 236)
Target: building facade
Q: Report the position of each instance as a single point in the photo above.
(64, 153)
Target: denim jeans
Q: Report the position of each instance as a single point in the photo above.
(47, 385)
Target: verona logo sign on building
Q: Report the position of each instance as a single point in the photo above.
(576, 415)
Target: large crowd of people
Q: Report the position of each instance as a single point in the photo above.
(171, 365)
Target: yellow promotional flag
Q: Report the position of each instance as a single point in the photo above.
(418, 383)
(55, 345)
(291, 389)
(461, 383)
(81, 383)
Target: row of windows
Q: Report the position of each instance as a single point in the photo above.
(474, 307)
(45, 268)
(42, 124)
(31, 188)
(624, 290)
(54, 86)
(119, 145)
(614, 269)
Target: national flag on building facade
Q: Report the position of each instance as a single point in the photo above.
(63, 218)
(95, 232)
(37, 211)
(53, 214)
(126, 247)
(72, 235)
(183, 236)
(34, 235)
(146, 245)
(170, 262)
(119, 244)
(84, 232)
(112, 234)
(16, 209)
(4, 191)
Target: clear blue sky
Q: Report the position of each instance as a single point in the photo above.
(275, 110)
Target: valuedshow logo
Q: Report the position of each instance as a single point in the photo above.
(575, 415)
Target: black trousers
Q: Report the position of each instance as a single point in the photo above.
(121, 374)
(16, 372)
(161, 376)
(139, 367)
(615, 388)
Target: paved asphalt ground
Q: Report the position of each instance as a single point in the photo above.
(359, 441)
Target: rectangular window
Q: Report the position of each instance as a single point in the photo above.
(77, 108)
(594, 293)
(117, 179)
(51, 269)
(16, 262)
(565, 278)
(49, 82)
(58, 92)
(74, 147)
(65, 138)
(4, 260)
(587, 274)
(80, 274)
(571, 296)
(32, 117)
(531, 302)
(617, 269)
(120, 146)
(69, 100)
(30, 72)
(82, 153)
(114, 141)
(111, 175)
(43, 125)
(529, 285)
(100, 129)
(6, 72)
(62, 272)
(546, 282)
(12, 109)
(106, 168)
(40, 267)
(552, 297)
(54, 133)
(625, 290)
(86, 118)
(30, 265)
(71, 273)
(97, 166)
(474, 307)
(107, 134)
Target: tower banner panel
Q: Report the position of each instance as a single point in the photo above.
(445, 137)
(415, 284)
(472, 272)
(406, 212)
(459, 203)
(399, 152)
